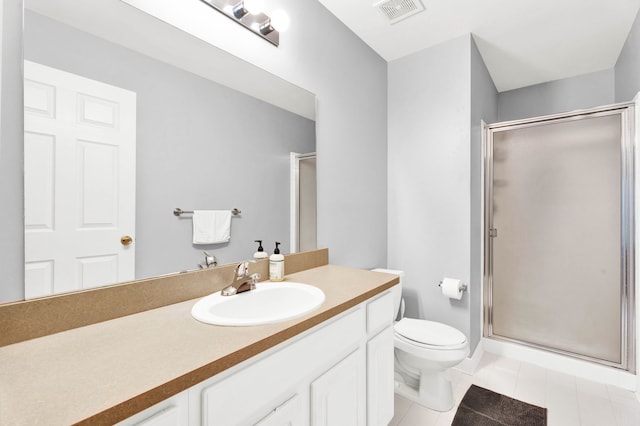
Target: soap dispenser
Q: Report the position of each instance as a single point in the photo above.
(276, 265)
(260, 254)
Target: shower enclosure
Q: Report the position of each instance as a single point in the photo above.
(559, 234)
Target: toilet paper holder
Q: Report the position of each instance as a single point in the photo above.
(463, 286)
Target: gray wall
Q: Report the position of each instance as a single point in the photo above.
(321, 55)
(11, 154)
(484, 107)
(583, 91)
(429, 177)
(200, 145)
(627, 68)
(438, 99)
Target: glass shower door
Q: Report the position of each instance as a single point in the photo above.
(558, 235)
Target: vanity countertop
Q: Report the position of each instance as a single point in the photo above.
(105, 372)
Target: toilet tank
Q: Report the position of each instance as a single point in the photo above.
(395, 290)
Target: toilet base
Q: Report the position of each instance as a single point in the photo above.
(435, 390)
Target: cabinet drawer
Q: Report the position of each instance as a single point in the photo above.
(380, 313)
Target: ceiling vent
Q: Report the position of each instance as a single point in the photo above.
(397, 10)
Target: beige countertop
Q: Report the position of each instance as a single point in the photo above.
(105, 372)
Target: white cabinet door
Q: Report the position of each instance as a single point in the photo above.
(338, 397)
(79, 172)
(380, 385)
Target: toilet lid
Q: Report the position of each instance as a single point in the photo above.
(429, 332)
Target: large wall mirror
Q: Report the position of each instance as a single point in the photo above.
(102, 79)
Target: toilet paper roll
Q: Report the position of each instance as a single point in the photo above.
(451, 288)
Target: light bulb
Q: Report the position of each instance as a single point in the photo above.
(280, 20)
(254, 7)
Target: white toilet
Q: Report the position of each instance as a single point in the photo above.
(424, 353)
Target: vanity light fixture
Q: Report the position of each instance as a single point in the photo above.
(258, 23)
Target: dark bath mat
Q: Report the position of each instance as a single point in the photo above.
(482, 407)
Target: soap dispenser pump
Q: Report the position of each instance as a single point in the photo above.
(260, 254)
(276, 265)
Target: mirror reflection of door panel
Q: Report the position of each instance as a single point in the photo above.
(307, 210)
(79, 149)
(303, 202)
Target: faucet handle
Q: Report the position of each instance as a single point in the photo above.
(209, 260)
(242, 270)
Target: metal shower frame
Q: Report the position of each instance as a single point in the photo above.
(627, 232)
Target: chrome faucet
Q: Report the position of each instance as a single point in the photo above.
(243, 281)
(209, 261)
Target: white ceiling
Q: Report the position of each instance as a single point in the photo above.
(522, 42)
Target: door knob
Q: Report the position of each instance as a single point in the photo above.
(126, 240)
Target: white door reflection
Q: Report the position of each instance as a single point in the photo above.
(80, 144)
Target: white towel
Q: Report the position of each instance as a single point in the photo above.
(211, 226)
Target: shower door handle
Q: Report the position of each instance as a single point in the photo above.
(493, 232)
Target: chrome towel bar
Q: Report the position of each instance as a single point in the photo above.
(180, 212)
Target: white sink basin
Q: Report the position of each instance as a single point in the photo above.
(270, 302)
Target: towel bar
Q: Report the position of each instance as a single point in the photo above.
(180, 212)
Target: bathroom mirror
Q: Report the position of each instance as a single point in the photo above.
(199, 144)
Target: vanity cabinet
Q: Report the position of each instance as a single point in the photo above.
(339, 372)
(251, 391)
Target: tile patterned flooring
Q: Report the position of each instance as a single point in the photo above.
(570, 401)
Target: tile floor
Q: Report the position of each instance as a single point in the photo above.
(571, 401)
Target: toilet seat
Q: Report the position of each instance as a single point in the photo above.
(429, 334)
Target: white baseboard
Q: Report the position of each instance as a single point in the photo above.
(470, 364)
(563, 364)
